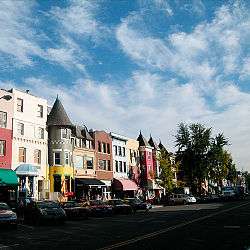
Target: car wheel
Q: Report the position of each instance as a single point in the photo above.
(184, 202)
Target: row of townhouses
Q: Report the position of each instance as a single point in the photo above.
(53, 157)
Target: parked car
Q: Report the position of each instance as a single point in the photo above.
(209, 198)
(120, 207)
(175, 199)
(137, 204)
(99, 208)
(7, 216)
(38, 212)
(75, 210)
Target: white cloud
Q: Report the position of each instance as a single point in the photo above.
(79, 18)
(18, 41)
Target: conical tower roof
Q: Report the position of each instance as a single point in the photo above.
(58, 116)
(142, 140)
(161, 147)
(152, 143)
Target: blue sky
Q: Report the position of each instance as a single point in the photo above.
(130, 65)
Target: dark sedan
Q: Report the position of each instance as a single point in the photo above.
(75, 210)
(38, 212)
(137, 204)
(120, 207)
(99, 208)
(7, 216)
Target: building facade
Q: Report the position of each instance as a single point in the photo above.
(104, 159)
(6, 116)
(122, 186)
(133, 160)
(60, 150)
(147, 170)
(29, 145)
(87, 186)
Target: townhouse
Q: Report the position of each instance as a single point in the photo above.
(87, 185)
(122, 186)
(104, 160)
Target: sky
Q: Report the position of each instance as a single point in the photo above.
(131, 65)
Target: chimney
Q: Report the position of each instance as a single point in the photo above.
(27, 91)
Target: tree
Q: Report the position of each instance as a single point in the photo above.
(193, 143)
(166, 173)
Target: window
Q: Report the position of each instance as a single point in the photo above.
(89, 161)
(116, 166)
(20, 128)
(109, 166)
(2, 147)
(104, 147)
(120, 151)
(19, 105)
(37, 156)
(22, 154)
(3, 119)
(40, 111)
(78, 161)
(124, 167)
(57, 158)
(123, 151)
(99, 147)
(41, 133)
(66, 159)
(64, 133)
(120, 166)
(101, 164)
(116, 153)
(108, 148)
(88, 144)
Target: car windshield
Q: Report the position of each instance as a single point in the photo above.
(96, 203)
(43, 205)
(4, 206)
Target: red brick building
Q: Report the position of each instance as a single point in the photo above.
(6, 115)
(104, 163)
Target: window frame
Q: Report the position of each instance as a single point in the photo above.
(67, 158)
(23, 155)
(37, 156)
(3, 142)
(20, 128)
(3, 123)
(20, 106)
(54, 158)
(40, 110)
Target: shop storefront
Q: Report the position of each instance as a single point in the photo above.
(124, 188)
(89, 188)
(8, 186)
(27, 176)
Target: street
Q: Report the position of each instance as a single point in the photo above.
(198, 226)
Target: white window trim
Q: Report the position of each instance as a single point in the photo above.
(57, 151)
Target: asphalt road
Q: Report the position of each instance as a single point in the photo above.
(200, 226)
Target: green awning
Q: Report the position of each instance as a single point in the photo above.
(8, 177)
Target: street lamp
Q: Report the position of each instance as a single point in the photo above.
(6, 97)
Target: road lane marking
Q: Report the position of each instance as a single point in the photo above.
(165, 230)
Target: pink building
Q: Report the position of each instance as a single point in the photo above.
(6, 115)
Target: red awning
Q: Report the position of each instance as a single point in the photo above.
(125, 185)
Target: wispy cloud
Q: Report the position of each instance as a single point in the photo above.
(18, 40)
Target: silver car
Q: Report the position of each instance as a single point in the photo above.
(7, 216)
(175, 199)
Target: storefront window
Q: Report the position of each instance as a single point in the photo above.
(57, 183)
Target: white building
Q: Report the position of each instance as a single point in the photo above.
(29, 146)
(120, 161)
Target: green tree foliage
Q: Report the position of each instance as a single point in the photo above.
(166, 174)
(202, 156)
